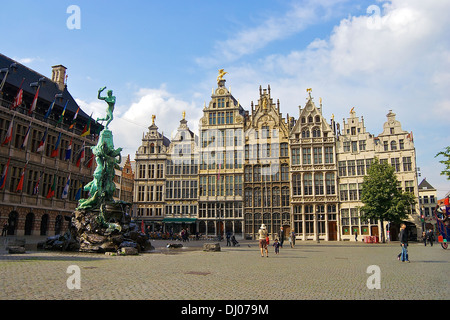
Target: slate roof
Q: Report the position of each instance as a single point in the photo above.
(47, 91)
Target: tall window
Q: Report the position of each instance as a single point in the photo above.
(306, 155)
(285, 197)
(307, 184)
(318, 183)
(329, 158)
(317, 155)
(330, 184)
(295, 156)
(296, 184)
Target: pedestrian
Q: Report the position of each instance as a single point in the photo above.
(281, 236)
(404, 243)
(262, 240)
(5, 229)
(293, 238)
(424, 238)
(276, 245)
(356, 235)
(430, 237)
(228, 239)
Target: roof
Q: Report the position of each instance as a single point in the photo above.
(48, 90)
(424, 185)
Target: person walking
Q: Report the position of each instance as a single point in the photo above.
(281, 236)
(404, 242)
(262, 240)
(228, 239)
(430, 237)
(5, 229)
(424, 238)
(276, 245)
(293, 238)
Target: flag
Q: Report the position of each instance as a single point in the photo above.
(91, 161)
(8, 137)
(56, 150)
(25, 140)
(36, 186)
(4, 80)
(4, 175)
(72, 125)
(81, 156)
(142, 226)
(68, 151)
(42, 143)
(19, 97)
(78, 194)
(33, 105)
(49, 111)
(51, 191)
(20, 185)
(61, 117)
(66, 189)
(87, 128)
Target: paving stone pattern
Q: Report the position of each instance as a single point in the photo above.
(328, 270)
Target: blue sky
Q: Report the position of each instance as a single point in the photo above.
(162, 57)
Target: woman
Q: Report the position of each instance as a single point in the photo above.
(262, 240)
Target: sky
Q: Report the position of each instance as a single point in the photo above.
(163, 57)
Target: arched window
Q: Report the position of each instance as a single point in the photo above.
(305, 133)
(310, 119)
(276, 197)
(317, 118)
(152, 148)
(257, 197)
(285, 197)
(316, 132)
(248, 197)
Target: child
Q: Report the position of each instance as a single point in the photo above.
(276, 245)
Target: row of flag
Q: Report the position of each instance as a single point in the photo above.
(52, 189)
(19, 99)
(41, 146)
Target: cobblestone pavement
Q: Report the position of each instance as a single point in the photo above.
(328, 270)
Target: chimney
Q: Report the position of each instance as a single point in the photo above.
(59, 76)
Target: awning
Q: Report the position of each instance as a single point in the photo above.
(179, 220)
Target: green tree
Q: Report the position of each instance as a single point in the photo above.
(446, 154)
(382, 198)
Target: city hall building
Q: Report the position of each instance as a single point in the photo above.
(45, 155)
(246, 168)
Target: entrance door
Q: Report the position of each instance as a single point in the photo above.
(374, 230)
(332, 231)
(29, 223)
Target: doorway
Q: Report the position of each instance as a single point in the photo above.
(332, 231)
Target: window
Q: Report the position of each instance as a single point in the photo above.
(248, 197)
(346, 146)
(318, 183)
(353, 131)
(285, 197)
(296, 185)
(256, 173)
(305, 133)
(353, 191)
(329, 158)
(362, 145)
(386, 146)
(284, 150)
(360, 167)
(401, 144)
(354, 146)
(351, 167)
(295, 156)
(316, 132)
(395, 162)
(284, 173)
(342, 167)
(257, 197)
(330, 184)
(343, 192)
(407, 166)
(276, 197)
(306, 156)
(393, 145)
(307, 184)
(317, 155)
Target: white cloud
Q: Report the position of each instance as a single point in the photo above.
(129, 126)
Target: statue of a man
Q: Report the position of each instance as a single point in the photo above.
(111, 101)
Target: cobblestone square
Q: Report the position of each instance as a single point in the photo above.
(313, 271)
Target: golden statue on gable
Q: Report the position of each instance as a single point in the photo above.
(221, 74)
